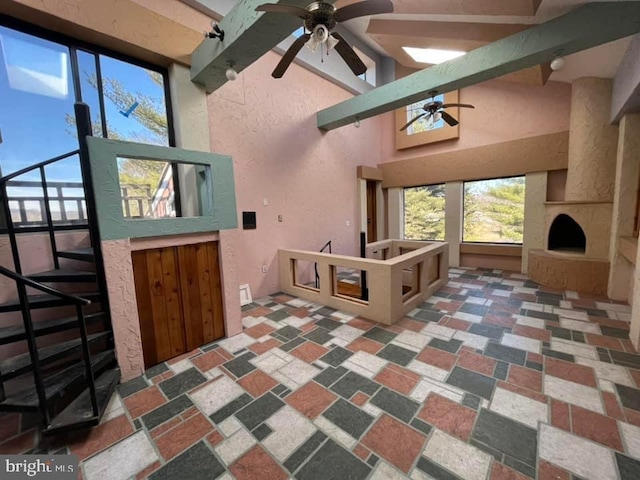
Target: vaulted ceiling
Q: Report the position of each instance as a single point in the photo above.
(512, 39)
(469, 24)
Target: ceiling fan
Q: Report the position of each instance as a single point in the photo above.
(435, 110)
(320, 18)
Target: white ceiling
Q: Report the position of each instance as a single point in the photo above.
(601, 61)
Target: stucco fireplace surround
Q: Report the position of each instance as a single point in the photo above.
(577, 230)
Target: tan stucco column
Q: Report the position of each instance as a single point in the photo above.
(592, 142)
(453, 218)
(624, 204)
(395, 211)
(634, 334)
(630, 138)
(535, 194)
(191, 123)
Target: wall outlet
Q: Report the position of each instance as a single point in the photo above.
(265, 202)
(280, 218)
(347, 223)
(264, 269)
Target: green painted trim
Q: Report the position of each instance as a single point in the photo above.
(248, 36)
(216, 186)
(589, 26)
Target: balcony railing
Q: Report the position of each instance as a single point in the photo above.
(27, 202)
(66, 200)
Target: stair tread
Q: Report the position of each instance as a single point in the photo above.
(81, 251)
(57, 382)
(19, 364)
(16, 333)
(63, 272)
(79, 413)
(85, 254)
(45, 300)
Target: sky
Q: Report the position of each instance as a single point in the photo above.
(37, 95)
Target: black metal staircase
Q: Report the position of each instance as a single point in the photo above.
(69, 371)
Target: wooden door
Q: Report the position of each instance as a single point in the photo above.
(372, 229)
(179, 299)
(201, 293)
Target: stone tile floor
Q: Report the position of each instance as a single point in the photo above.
(492, 378)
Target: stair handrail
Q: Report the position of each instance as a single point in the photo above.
(83, 125)
(44, 163)
(43, 288)
(315, 266)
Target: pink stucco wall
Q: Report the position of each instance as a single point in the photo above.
(305, 175)
(504, 111)
(124, 307)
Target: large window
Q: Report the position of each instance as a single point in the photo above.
(424, 212)
(494, 210)
(42, 74)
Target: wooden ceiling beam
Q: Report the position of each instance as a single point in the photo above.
(586, 27)
(519, 8)
(248, 36)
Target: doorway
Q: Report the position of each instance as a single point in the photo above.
(372, 212)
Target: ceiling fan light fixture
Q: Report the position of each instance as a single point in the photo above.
(319, 36)
(436, 117)
(432, 55)
(320, 19)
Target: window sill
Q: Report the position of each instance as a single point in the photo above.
(498, 249)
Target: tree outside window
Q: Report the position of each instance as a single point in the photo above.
(494, 210)
(424, 212)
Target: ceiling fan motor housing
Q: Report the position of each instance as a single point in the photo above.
(433, 107)
(322, 13)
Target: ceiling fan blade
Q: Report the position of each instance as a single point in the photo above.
(349, 55)
(361, 9)
(463, 105)
(415, 119)
(282, 8)
(289, 55)
(448, 118)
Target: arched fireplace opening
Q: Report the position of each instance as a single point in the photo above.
(566, 235)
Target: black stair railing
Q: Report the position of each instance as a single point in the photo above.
(22, 283)
(326, 246)
(83, 124)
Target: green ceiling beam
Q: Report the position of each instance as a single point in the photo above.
(586, 27)
(248, 36)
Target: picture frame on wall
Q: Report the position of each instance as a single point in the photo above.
(424, 132)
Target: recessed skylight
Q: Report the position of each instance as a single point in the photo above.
(432, 55)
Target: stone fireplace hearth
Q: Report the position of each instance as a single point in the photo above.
(577, 230)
